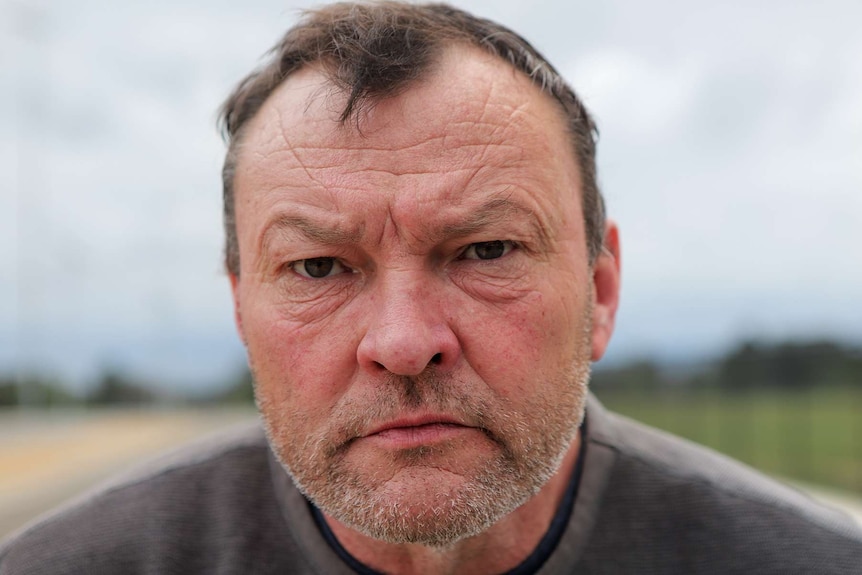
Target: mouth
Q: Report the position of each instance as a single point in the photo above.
(406, 433)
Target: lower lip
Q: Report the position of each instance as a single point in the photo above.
(417, 436)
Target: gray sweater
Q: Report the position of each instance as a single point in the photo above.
(648, 503)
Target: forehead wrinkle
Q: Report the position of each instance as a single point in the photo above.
(294, 150)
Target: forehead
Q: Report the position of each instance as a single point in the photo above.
(472, 115)
(466, 87)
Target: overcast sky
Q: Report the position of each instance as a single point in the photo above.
(730, 155)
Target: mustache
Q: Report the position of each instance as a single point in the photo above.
(397, 395)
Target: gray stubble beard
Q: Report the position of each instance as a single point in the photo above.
(531, 444)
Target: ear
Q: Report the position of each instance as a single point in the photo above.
(237, 314)
(606, 290)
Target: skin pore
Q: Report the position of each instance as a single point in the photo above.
(419, 310)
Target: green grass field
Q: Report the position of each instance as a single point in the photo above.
(813, 436)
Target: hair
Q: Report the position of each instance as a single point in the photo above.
(372, 51)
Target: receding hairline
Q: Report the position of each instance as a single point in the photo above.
(445, 62)
(330, 89)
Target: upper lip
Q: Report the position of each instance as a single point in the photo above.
(415, 421)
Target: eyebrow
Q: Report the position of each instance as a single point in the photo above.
(493, 212)
(310, 229)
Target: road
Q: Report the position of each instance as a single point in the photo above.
(49, 457)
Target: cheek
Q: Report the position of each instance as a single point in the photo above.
(528, 342)
(298, 363)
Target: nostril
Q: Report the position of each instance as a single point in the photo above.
(437, 359)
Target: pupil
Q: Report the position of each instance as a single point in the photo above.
(490, 250)
(318, 267)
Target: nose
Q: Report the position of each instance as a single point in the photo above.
(408, 331)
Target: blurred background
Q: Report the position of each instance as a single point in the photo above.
(730, 154)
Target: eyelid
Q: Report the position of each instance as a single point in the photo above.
(508, 246)
(338, 267)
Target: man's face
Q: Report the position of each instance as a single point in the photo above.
(415, 296)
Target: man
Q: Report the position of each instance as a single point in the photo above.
(422, 274)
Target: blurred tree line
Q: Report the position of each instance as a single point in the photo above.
(750, 366)
(114, 387)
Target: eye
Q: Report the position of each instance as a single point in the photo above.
(487, 250)
(317, 268)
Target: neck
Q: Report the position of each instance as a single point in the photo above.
(502, 547)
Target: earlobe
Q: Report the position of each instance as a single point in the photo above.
(606, 291)
(237, 315)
